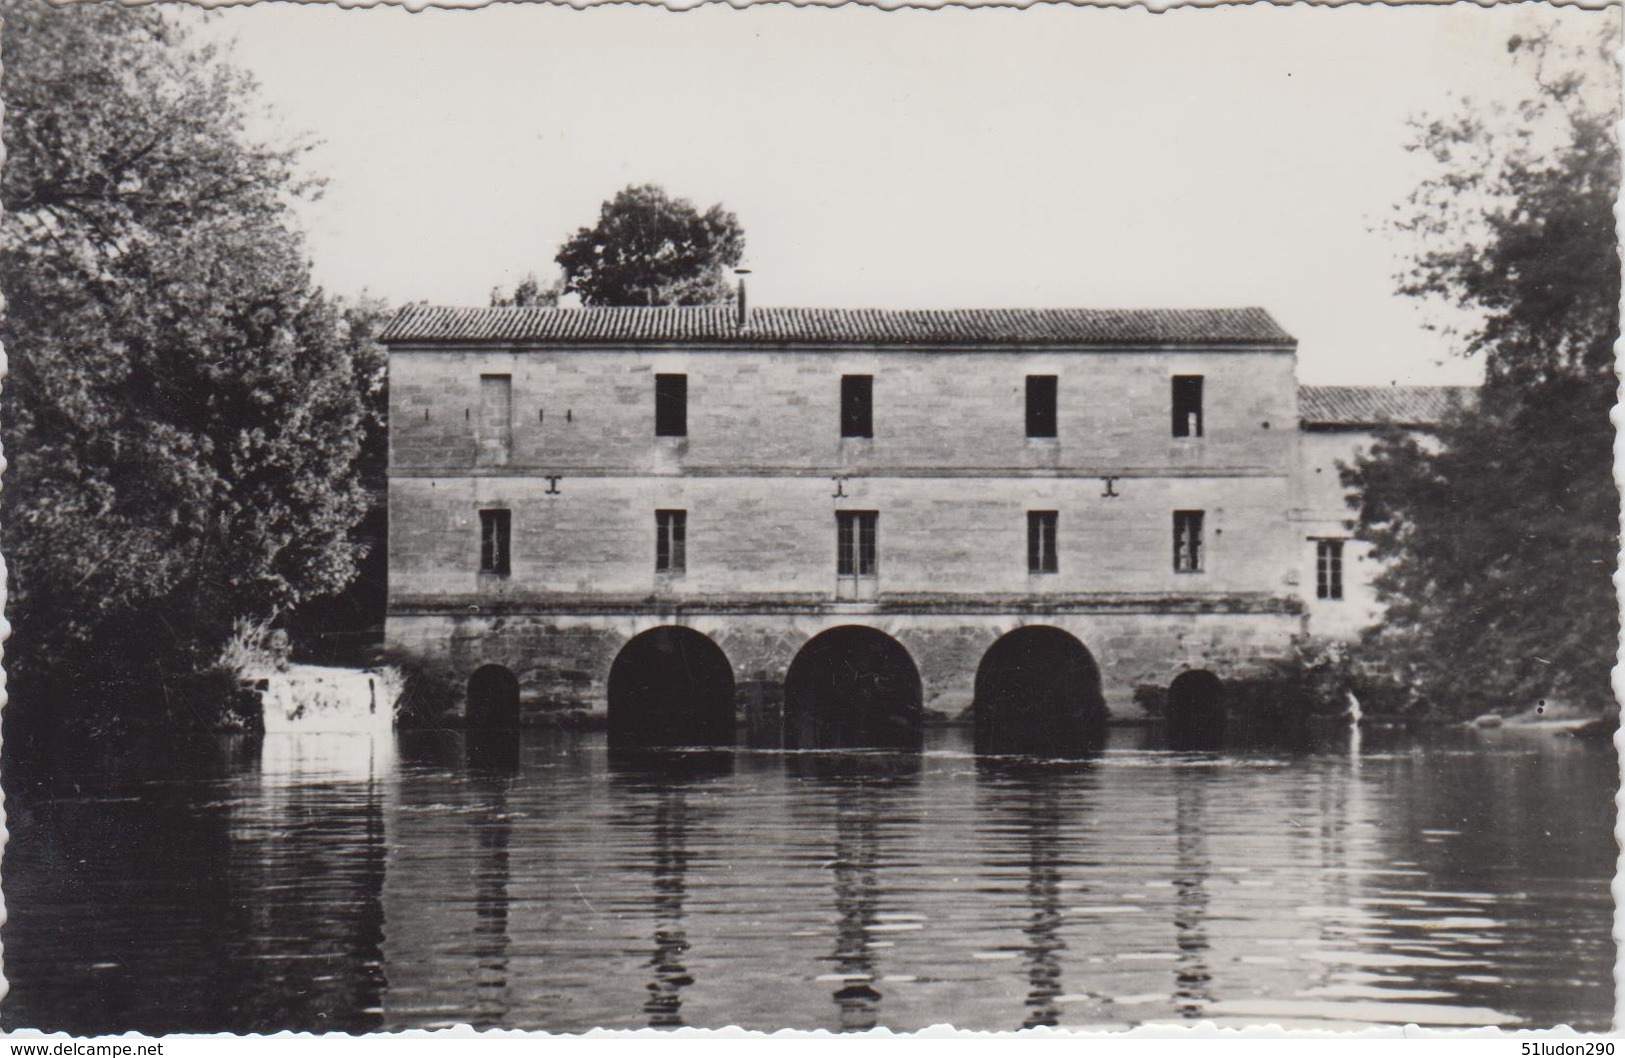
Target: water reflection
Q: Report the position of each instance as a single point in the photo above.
(493, 762)
(534, 881)
(657, 789)
(1035, 827)
(855, 865)
(1191, 869)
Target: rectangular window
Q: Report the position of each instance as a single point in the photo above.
(1041, 542)
(856, 552)
(857, 406)
(1187, 405)
(1187, 541)
(496, 419)
(671, 405)
(495, 527)
(1328, 569)
(1041, 405)
(671, 541)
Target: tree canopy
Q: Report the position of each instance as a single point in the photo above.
(1500, 533)
(650, 249)
(185, 409)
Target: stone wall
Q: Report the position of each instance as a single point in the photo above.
(763, 473)
(563, 660)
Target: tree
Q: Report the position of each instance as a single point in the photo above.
(1499, 534)
(650, 249)
(184, 408)
(528, 293)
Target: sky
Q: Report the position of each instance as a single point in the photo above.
(1047, 157)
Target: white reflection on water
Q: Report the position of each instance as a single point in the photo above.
(293, 759)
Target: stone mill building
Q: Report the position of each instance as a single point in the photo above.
(815, 527)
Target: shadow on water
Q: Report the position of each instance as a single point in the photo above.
(1031, 820)
(492, 759)
(656, 792)
(669, 765)
(864, 791)
(1192, 865)
(853, 766)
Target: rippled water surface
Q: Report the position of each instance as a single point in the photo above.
(427, 880)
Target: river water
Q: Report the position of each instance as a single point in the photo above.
(423, 880)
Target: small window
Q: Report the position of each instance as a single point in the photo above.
(495, 527)
(1041, 542)
(671, 405)
(855, 544)
(1187, 405)
(1041, 405)
(671, 541)
(857, 405)
(1328, 569)
(1187, 541)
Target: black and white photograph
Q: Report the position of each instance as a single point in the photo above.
(816, 518)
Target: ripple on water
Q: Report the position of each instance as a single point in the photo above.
(561, 890)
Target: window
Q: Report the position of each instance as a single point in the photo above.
(857, 405)
(855, 551)
(671, 541)
(496, 419)
(1187, 405)
(1328, 569)
(1187, 541)
(1041, 405)
(495, 527)
(671, 405)
(1041, 542)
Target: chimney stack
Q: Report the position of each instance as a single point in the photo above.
(741, 273)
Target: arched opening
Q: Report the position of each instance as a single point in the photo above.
(493, 698)
(1038, 694)
(671, 686)
(1196, 714)
(852, 687)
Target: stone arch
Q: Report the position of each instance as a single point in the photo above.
(493, 698)
(670, 686)
(1196, 716)
(852, 687)
(1038, 693)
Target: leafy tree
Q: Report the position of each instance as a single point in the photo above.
(1500, 533)
(650, 249)
(184, 410)
(528, 292)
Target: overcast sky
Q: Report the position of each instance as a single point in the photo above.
(1047, 157)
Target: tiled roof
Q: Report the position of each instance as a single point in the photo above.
(717, 325)
(1378, 405)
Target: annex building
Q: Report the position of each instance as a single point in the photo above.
(813, 527)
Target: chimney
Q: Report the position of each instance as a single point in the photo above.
(741, 273)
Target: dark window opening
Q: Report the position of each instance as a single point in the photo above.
(855, 545)
(1328, 569)
(1041, 405)
(671, 541)
(857, 406)
(671, 405)
(1187, 541)
(1187, 405)
(495, 529)
(1041, 556)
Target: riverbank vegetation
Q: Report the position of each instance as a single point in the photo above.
(187, 415)
(1500, 532)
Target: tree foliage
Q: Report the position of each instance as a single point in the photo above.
(184, 409)
(650, 249)
(528, 293)
(1500, 533)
